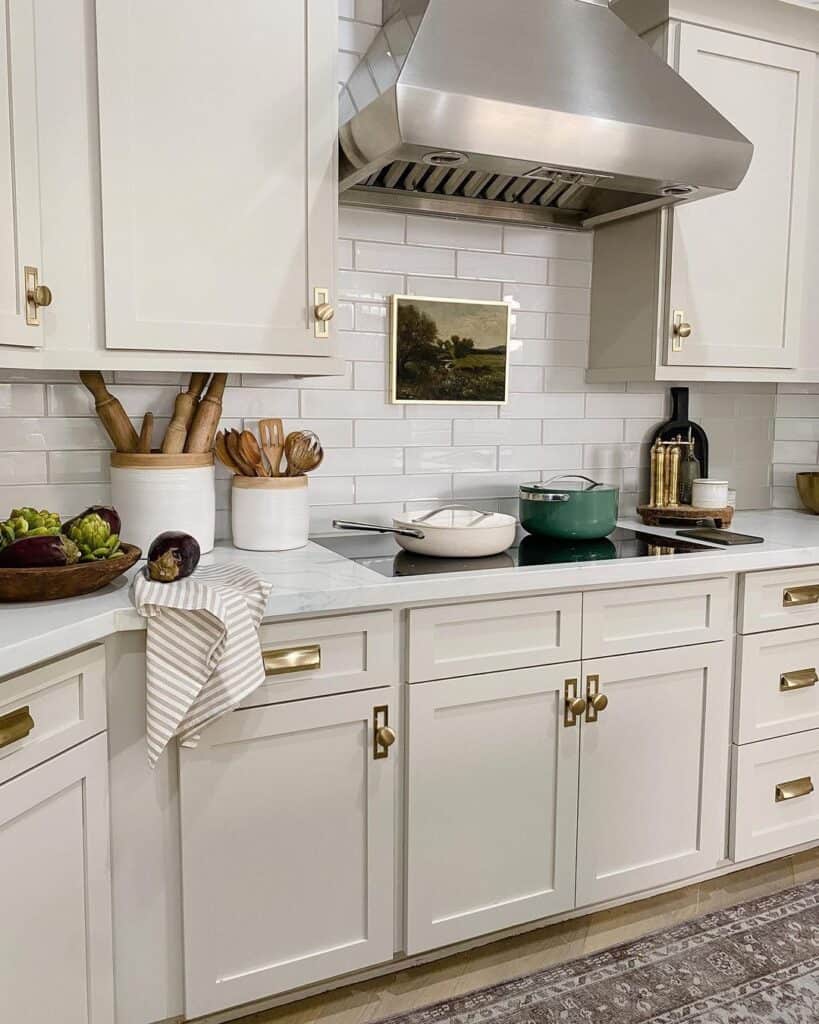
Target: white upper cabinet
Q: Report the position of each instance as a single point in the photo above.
(20, 242)
(713, 289)
(737, 260)
(218, 125)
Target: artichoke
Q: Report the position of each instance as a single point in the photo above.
(93, 536)
(28, 522)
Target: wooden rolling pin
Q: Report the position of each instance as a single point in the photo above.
(113, 417)
(183, 413)
(208, 414)
(146, 433)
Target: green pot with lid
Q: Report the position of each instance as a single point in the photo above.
(569, 507)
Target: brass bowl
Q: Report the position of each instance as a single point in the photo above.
(807, 484)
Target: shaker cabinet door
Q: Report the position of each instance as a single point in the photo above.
(20, 244)
(287, 848)
(653, 770)
(492, 803)
(737, 260)
(218, 126)
(55, 943)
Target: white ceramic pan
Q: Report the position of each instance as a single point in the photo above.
(448, 532)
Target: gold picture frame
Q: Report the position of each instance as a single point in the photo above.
(453, 365)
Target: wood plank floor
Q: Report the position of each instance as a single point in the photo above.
(371, 1001)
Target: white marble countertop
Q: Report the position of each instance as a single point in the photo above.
(314, 580)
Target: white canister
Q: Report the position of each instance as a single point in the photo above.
(709, 494)
(270, 513)
(154, 493)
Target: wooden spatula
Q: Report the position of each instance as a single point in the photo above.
(271, 432)
(232, 441)
(252, 453)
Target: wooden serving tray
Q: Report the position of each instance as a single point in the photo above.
(654, 516)
(48, 583)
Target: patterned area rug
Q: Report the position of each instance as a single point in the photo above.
(756, 963)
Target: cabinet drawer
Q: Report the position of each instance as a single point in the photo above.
(777, 599)
(490, 636)
(776, 795)
(633, 619)
(51, 709)
(778, 682)
(323, 656)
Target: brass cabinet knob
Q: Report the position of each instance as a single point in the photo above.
(386, 736)
(599, 702)
(575, 705)
(40, 296)
(682, 330)
(324, 312)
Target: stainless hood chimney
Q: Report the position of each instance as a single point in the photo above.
(546, 111)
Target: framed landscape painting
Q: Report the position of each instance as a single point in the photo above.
(448, 351)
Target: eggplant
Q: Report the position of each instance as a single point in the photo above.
(172, 556)
(108, 514)
(33, 552)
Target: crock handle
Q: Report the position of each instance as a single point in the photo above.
(574, 476)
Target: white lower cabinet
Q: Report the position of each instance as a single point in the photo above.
(492, 803)
(287, 847)
(654, 770)
(55, 944)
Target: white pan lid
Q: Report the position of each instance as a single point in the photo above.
(456, 518)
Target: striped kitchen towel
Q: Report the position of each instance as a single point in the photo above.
(203, 652)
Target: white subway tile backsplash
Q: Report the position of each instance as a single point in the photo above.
(361, 287)
(490, 485)
(355, 36)
(525, 379)
(543, 407)
(452, 288)
(537, 242)
(629, 406)
(22, 468)
(562, 327)
(258, 402)
(78, 467)
(485, 432)
(796, 430)
(454, 234)
(47, 433)
(451, 460)
(404, 259)
(436, 487)
(492, 266)
(65, 499)
(331, 404)
(796, 451)
(360, 345)
(371, 318)
(344, 254)
(570, 273)
(539, 458)
(528, 325)
(371, 225)
(362, 462)
(407, 433)
(545, 299)
(611, 456)
(21, 400)
(331, 490)
(582, 431)
(370, 376)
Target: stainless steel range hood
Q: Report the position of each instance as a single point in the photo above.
(545, 111)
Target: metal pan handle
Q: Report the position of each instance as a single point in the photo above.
(341, 524)
(573, 476)
(479, 515)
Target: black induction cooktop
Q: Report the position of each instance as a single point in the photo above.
(381, 553)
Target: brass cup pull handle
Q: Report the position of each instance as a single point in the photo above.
(386, 736)
(805, 677)
(292, 659)
(794, 597)
(324, 312)
(599, 702)
(793, 789)
(575, 706)
(16, 725)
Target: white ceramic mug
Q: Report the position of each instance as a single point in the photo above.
(270, 513)
(709, 493)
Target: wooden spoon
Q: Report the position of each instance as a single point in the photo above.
(252, 453)
(232, 441)
(223, 455)
(303, 452)
(271, 433)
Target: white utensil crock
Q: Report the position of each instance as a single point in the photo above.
(270, 513)
(154, 493)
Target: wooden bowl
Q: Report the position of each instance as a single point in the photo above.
(47, 583)
(807, 484)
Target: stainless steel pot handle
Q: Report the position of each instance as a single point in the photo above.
(341, 524)
(479, 515)
(573, 476)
